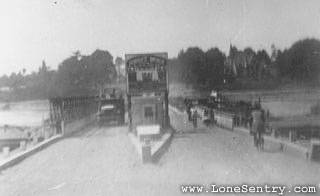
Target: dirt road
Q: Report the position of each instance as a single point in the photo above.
(102, 161)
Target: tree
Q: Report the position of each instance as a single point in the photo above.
(101, 68)
(4, 81)
(175, 69)
(84, 75)
(68, 77)
(301, 61)
(78, 55)
(214, 71)
(261, 61)
(193, 61)
(250, 55)
(304, 61)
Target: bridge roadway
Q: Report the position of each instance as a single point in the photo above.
(102, 161)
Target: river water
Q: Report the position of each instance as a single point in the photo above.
(24, 113)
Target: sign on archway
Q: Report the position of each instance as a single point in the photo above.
(146, 73)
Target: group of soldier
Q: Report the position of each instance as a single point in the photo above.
(257, 122)
(192, 115)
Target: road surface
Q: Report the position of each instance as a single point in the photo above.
(102, 161)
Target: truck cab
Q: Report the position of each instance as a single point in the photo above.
(111, 110)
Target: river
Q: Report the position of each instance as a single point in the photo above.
(24, 113)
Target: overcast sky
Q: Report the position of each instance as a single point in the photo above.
(32, 30)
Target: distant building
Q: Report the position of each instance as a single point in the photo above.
(248, 65)
(238, 61)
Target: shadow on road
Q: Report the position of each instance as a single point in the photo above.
(272, 149)
(194, 131)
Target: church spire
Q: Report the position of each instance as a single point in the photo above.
(230, 49)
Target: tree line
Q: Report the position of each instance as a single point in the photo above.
(212, 69)
(247, 68)
(78, 75)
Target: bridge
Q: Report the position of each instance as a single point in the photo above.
(92, 160)
(72, 155)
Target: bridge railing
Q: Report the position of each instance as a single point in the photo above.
(68, 109)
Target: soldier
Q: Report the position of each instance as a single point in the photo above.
(195, 118)
(257, 128)
(113, 94)
(189, 112)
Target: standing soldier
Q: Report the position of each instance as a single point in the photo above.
(212, 121)
(257, 128)
(113, 94)
(189, 112)
(195, 118)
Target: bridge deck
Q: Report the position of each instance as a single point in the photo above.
(102, 161)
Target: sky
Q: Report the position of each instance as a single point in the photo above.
(52, 30)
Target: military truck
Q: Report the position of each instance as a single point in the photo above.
(111, 110)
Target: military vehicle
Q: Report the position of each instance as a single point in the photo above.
(111, 110)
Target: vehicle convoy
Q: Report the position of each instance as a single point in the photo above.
(111, 110)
